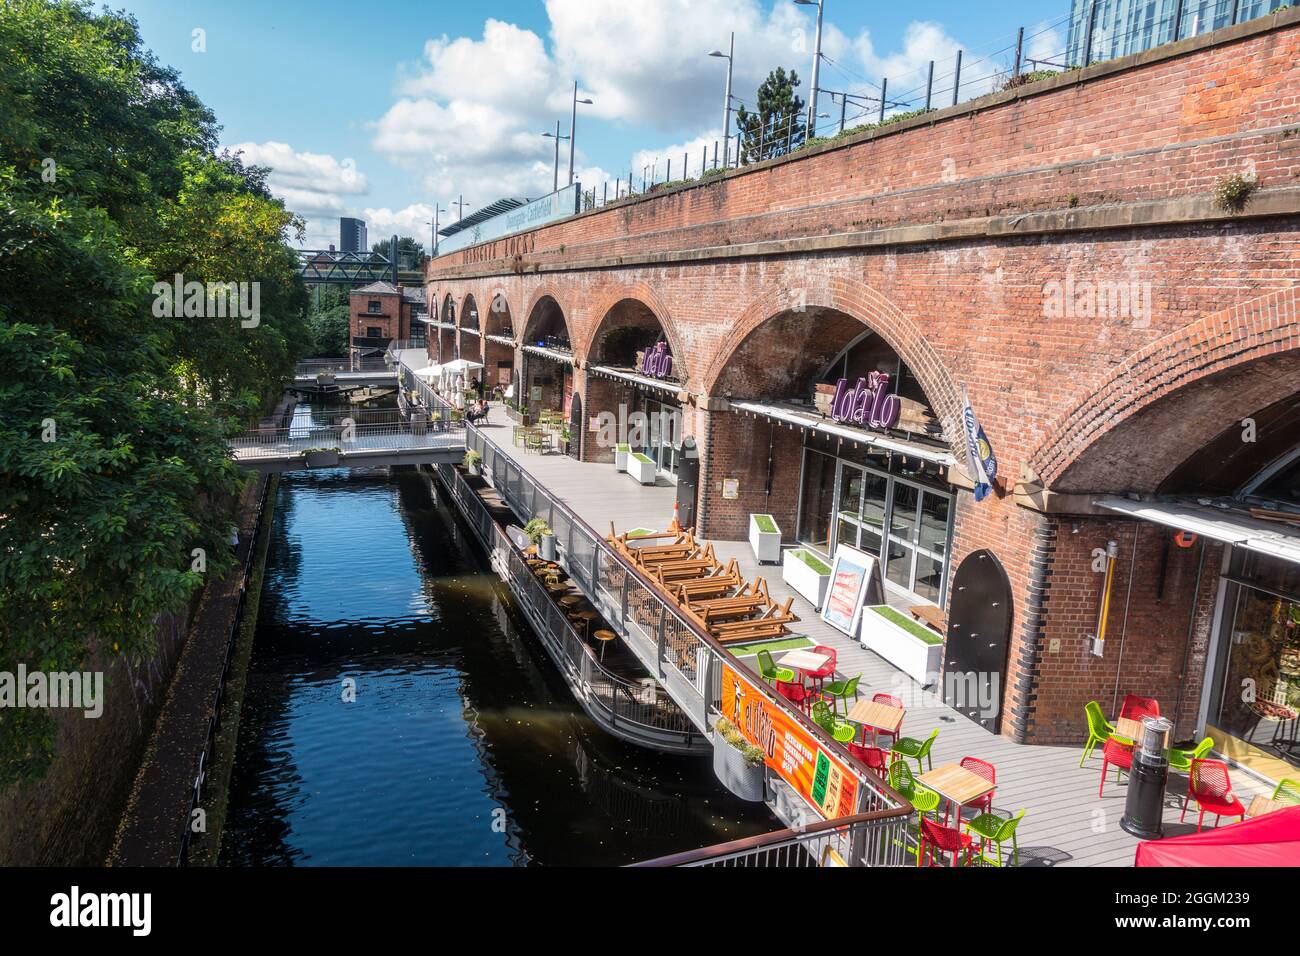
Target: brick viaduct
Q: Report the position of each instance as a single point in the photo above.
(945, 235)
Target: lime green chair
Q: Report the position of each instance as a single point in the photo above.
(841, 730)
(1288, 792)
(770, 672)
(1099, 729)
(990, 826)
(921, 798)
(838, 690)
(917, 750)
(1181, 760)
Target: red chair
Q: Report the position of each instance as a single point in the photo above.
(1212, 790)
(986, 770)
(1135, 708)
(875, 758)
(892, 701)
(944, 840)
(797, 694)
(1117, 755)
(827, 671)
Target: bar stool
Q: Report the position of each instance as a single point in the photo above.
(604, 637)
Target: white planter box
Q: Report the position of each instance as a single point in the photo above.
(806, 580)
(908, 653)
(641, 468)
(621, 454)
(735, 773)
(766, 544)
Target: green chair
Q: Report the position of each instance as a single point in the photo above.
(770, 672)
(841, 730)
(990, 826)
(1099, 729)
(838, 690)
(921, 798)
(1181, 760)
(1288, 792)
(917, 750)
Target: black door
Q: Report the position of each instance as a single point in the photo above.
(979, 628)
(688, 481)
(575, 426)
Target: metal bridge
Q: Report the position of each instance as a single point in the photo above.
(351, 445)
(333, 267)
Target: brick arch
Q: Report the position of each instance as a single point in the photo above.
(541, 292)
(1216, 349)
(464, 308)
(499, 291)
(640, 292)
(859, 301)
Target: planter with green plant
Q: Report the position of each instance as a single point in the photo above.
(642, 468)
(621, 453)
(907, 644)
(321, 457)
(765, 538)
(540, 534)
(737, 762)
(807, 573)
(473, 462)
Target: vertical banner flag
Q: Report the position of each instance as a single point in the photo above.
(979, 453)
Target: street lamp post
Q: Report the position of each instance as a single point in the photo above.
(730, 57)
(435, 224)
(555, 182)
(817, 62)
(573, 123)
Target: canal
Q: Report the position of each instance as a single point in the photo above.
(399, 712)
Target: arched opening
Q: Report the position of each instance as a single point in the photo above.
(829, 432)
(547, 374)
(632, 374)
(498, 344)
(471, 345)
(447, 331)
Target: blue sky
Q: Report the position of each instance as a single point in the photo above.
(379, 109)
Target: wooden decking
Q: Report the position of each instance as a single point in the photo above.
(1065, 823)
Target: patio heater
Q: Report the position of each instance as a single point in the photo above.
(1144, 807)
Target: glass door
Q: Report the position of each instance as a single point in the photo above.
(848, 508)
(920, 520)
(817, 501)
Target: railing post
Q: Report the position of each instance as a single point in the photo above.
(929, 87)
(1020, 52)
(956, 80)
(660, 642)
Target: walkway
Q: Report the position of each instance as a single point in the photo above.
(402, 443)
(1065, 823)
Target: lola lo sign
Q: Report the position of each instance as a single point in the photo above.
(869, 403)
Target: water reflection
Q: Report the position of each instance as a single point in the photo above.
(462, 745)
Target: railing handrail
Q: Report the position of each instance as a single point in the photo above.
(774, 838)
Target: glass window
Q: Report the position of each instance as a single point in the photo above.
(898, 564)
(902, 522)
(849, 512)
(934, 522)
(818, 501)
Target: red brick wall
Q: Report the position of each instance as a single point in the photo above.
(754, 451)
(387, 320)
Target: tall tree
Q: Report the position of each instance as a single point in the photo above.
(410, 252)
(778, 125)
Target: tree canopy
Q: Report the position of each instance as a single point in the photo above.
(777, 127)
(114, 471)
(410, 252)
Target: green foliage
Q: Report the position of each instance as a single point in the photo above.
(1233, 192)
(410, 252)
(113, 461)
(535, 529)
(753, 755)
(472, 459)
(919, 631)
(330, 321)
(776, 128)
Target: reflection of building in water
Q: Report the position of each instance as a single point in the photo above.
(636, 807)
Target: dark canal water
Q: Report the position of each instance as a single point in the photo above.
(463, 746)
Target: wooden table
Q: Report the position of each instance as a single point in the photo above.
(1262, 805)
(877, 716)
(928, 615)
(604, 637)
(957, 785)
(805, 660)
(1131, 730)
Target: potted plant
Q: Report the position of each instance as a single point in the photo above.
(321, 457)
(765, 538)
(540, 534)
(642, 468)
(807, 573)
(473, 462)
(621, 454)
(907, 644)
(737, 762)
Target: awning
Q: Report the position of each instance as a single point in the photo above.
(1272, 839)
(1231, 527)
(815, 422)
(636, 378)
(552, 354)
(429, 372)
(460, 365)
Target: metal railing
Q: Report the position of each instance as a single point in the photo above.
(878, 838)
(640, 711)
(384, 436)
(368, 363)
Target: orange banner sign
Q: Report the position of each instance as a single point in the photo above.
(792, 752)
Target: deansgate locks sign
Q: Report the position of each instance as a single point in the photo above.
(558, 205)
(869, 403)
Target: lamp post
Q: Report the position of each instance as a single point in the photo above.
(730, 57)
(817, 60)
(435, 224)
(573, 123)
(555, 182)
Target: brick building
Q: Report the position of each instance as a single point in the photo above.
(1062, 251)
(382, 312)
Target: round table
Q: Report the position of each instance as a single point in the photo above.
(586, 617)
(570, 600)
(604, 637)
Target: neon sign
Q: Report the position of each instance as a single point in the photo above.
(656, 362)
(869, 403)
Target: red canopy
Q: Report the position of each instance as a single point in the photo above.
(1269, 840)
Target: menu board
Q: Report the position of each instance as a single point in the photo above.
(792, 752)
(855, 580)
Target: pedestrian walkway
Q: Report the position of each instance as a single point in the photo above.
(1065, 824)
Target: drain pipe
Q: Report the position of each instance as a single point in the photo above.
(1191, 626)
(1123, 630)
